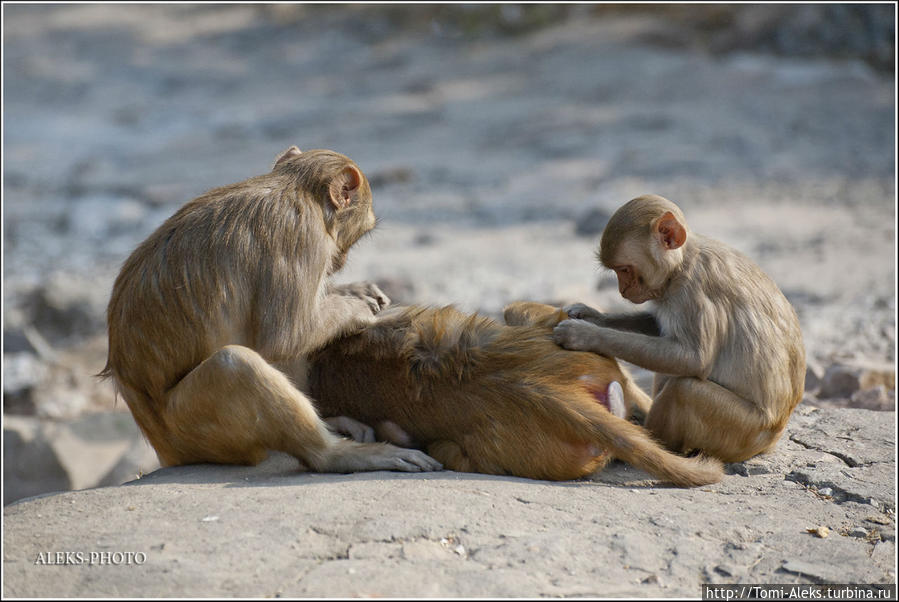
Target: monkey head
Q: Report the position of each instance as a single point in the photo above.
(337, 185)
(643, 244)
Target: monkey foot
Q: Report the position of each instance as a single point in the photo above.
(611, 396)
(358, 457)
(616, 399)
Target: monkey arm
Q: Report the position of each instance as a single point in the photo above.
(307, 324)
(340, 314)
(659, 354)
(642, 323)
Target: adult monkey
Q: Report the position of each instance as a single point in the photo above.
(211, 319)
(724, 341)
(480, 396)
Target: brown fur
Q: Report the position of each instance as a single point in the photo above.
(484, 397)
(232, 285)
(724, 341)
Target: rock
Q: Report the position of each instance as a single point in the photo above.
(424, 239)
(878, 398)
(805, 30)
(819, 572)
(858, 532)
(389, 176)
(753, 466)
(15, 341)
(138, 460)
(62, 396)
(65, 307)
(30, 464)
(90, 446)
(839, 381)
(813, 375)
(725, 570)
(44, 456)
(22, 372)
(873, 374)
(845, 379)
(592, 222)
(461, 535)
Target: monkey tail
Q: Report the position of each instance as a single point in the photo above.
(636, 446)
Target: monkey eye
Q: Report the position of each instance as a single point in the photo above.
(623, 270)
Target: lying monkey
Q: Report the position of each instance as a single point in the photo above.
(484, 397)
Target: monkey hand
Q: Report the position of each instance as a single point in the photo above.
(577, 335)
(579, 311)
(369, 292)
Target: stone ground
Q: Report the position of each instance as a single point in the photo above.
(497, 141)
(201, 531)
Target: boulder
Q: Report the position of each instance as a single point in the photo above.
(66, 308)
(42, 456)
(22, 372)
(592, 222)
(845, 379)
(876, 398)
(30, 464)
(188, 531)
(813, 374)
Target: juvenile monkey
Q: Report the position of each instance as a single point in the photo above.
(724, 341)
(484, 397)
(211, 319)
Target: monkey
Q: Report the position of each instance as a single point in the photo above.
(723, 340)
(212, 316)
(480, 396)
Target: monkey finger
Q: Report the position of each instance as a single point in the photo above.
(375, 292)
(373, 304)
(576, 335)
(413, 460)
(579, 310)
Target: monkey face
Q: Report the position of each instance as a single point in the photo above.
(640, 278)
(643, 252)
(630, 284)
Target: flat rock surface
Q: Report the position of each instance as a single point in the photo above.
(272, 530)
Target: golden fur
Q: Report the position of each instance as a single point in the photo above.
(484, 397)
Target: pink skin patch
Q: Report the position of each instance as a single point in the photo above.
(610, 396)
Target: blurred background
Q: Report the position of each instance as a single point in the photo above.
(498, 139)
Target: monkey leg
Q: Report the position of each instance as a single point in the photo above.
(389, 431)
(690, 414)
(234, 406)
(453, 457)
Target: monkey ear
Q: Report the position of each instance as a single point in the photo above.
(344, 188)
(290, 153)
(670, 232)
